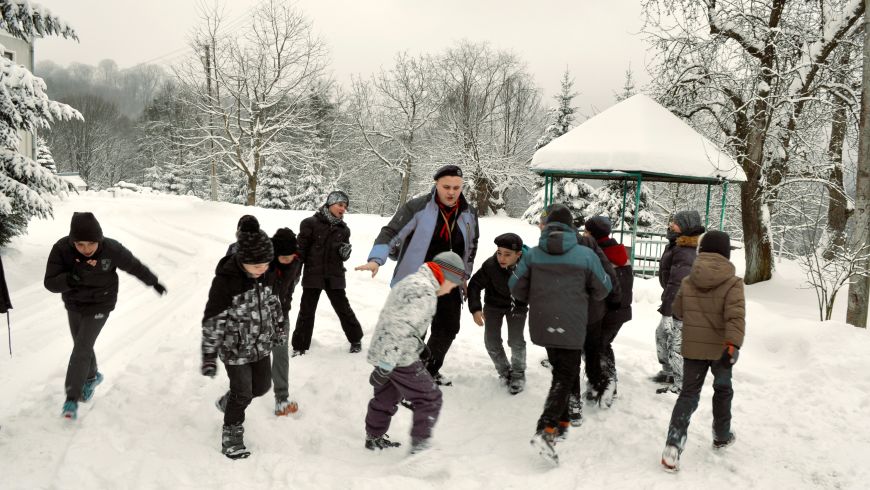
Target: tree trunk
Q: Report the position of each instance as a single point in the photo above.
(838, 213)
(406, 183)
(753, 209)
(252, 190)
(856, 313)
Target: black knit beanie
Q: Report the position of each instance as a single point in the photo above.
(84, 227)
(559, 213)
(255, 247)
(715, 241)
(598, 226)
(284, 242)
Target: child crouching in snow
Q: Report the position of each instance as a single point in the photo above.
(395, 352)
(241, 324)
(711, 304)
(493, 277)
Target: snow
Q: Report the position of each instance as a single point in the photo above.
(637, 135)
(802, 387)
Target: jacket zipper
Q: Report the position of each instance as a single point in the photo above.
(260, 314)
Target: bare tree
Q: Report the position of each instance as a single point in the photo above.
(263, 108)
(392, 111)
(749, 78)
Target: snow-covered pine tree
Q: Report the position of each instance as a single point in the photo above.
(607, 201)
(43, 155)
(275, 187)
(572, 192)
(25, 185)
(310, 191)
(628, 88)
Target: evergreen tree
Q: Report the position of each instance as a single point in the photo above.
(310, 191)
(25, 185)
(574, 193)
(43, 155)
(607, 201)
(274, 187)
(628, 88)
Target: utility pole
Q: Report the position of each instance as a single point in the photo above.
(214, 186)
(856, 314)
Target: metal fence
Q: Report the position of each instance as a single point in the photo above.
(648, 249)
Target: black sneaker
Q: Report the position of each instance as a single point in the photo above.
(662, 378)
(382, 442)
(355, 347)
(727, 442)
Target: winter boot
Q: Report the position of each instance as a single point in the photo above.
(380, 442)
(608, 394)
(575, 410)
(297, 353)
(662, 377)
(233, 443)
(518, 383)
(285, 407)
(505, 378)
(70, 410)
(544, 442)
(90, 386)
(442, 380)
(221, 403)
(355, 347)
(591, 393)
(562, 431)
(419, 445)
(732, 438)
(671, 458)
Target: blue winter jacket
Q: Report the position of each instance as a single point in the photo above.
(557, 279)
(406, 237)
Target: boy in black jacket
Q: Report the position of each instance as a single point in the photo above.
(82, 267)
(493, 277)
(287, 269)
(241, 324)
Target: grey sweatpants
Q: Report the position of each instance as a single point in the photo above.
(516, 322)
(82, 361)
(669, 346)
(415, 384)
(281, 371)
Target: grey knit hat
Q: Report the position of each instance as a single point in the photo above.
(690, 222)
(452, 267)
(255, 246)
(336, 197)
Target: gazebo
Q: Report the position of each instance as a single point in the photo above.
(637, 140)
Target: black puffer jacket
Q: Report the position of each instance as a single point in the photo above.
(493, 280)
(243, 318)
(96, 290)
(676, 263)
(319, 242)
(598, 308)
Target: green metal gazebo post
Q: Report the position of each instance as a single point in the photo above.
(622, 219)
(707, 212)
(724, 201)
(548, 190)
(636, 214)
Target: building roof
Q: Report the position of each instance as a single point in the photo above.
(637, 136)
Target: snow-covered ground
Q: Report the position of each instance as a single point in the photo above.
(802, 387)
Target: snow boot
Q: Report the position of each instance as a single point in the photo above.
(518, 383)
(380, 442)
(727, 442)
(442, 380)
(662, 377)
(90, 386)
(575, 410)
(221, 403)
(671, 458)
(233, 443)
(355, 347)
(420, 445)
(70, 410)
(608, 394)
(544, 442)
(505, 378)
(285, 407)
(297, 353)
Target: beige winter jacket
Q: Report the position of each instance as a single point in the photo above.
(712, 306)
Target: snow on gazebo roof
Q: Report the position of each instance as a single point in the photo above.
(637, 135)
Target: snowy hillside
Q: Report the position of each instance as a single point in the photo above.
(802, 388)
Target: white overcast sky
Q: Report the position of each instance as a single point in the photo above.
(595, 39)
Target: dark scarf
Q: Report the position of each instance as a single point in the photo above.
(447, 213)
(329, 216)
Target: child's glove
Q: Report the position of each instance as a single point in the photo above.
(731, 353)
(379, 377)
(209, 367)
(161, 290)
(344, 251)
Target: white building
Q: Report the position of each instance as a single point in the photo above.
(20, 52)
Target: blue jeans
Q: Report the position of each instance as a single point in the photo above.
(694, 372)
